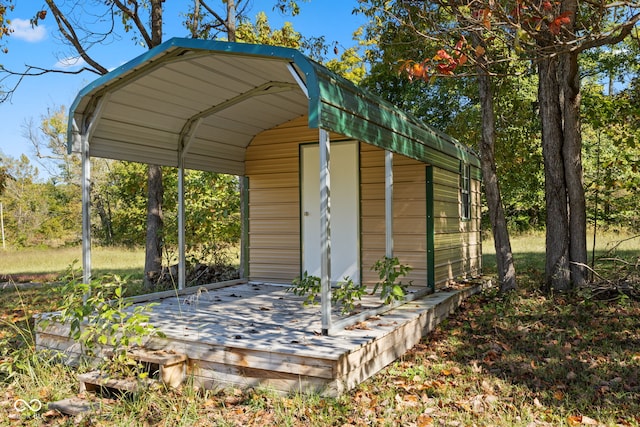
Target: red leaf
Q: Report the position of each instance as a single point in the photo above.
(442, 54)
(563, 19)
(486, 19)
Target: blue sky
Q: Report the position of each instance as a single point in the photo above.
(40, 47)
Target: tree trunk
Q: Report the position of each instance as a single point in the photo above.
(155, 187)
(557, 275)
(231, 20)
(572, 156)
(153, 253)
(105, 220)
(504, 255)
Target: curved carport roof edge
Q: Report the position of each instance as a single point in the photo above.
(335, 104)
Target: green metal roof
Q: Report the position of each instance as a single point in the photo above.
(210, 98)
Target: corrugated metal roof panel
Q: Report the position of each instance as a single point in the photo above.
(237, 91)
(118, 150)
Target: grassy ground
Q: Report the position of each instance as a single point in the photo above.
(46, 264)
(525, 359)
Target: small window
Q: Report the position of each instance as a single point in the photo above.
(465, 191)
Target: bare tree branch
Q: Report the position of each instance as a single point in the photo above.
(32, 71)
(221, 21)
(69, 33)
(612, 37)
(135, 17)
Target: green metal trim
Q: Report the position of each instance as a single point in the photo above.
(431, 258)
(353, 112)
(464, 215)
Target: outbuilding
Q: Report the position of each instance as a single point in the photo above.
(335, 177)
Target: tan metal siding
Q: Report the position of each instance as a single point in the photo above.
(457, 243)
(372, 209)
(272, 166)
(274, 205)
(409, 208)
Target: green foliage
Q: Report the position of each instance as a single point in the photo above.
(35, 213)
(307, 286)
(212, 205)
(611, 156)
(347, 293)
(389, 271)
(100, 315)
(451, 104)
(351, 64)
(5, 28)
(518, 152)
(261, 32)
(42, 213)
(610, 121)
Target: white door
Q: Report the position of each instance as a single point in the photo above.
(345, 250)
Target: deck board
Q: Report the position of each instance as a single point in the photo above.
(259, 334)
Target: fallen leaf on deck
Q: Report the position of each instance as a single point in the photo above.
(360, 325)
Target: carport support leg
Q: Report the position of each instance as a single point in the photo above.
(182, 264)
(325, 231)
(86, 210)
(388, 202)
(244, 226)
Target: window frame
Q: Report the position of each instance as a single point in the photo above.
(465, 191)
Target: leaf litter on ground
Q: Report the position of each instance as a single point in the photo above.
(524, 359)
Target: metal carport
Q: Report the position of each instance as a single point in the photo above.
(197, 104)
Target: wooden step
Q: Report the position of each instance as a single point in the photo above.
(171, 366)
(99, 382)
(166, 366)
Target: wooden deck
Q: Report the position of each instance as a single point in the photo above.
(256, 334)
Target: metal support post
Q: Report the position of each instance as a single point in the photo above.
(325, 231)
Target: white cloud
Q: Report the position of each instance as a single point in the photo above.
(70, 62)
(23, 30)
